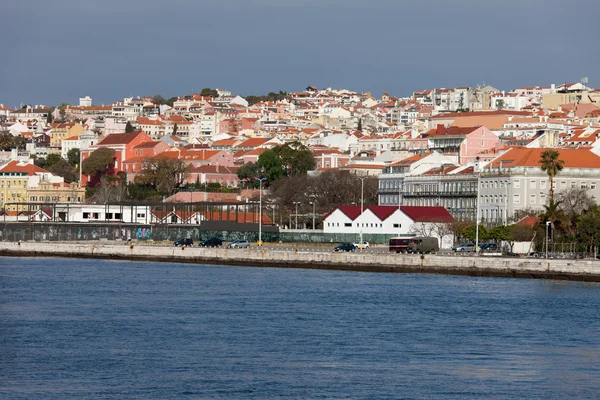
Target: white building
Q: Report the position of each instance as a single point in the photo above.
(85, 101)
(389, 220)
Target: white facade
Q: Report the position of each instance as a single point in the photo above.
(397, 223)
(85, 101)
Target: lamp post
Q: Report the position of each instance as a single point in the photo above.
(313, 214)
(362, 193)
(296, 204)
(548, 223)
(507, 183)
(362, 202)
(477, 213)
(260, 181)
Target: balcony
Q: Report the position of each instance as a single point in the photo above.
(459, 193)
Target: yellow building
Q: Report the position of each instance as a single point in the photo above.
(61, 131)
(61, 192)
(16, 179)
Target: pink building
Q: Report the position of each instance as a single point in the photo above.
(470, 142)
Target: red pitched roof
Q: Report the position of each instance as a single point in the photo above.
(29, 169)
(416, 213)
(530, 157)
(427, 214)
(119, 138)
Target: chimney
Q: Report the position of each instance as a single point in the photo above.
(440, 129)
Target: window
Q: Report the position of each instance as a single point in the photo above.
(532, 199)
(584, 185)
(532, 185)
(573, 185)
(516, 199)
(143, 215)
(517, 184)
(348, 224)
(397, 225)
(109, 215)
(86, 215)
(542, 184)
(118, 215)
(593, 185)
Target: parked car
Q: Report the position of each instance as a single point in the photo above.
(184, 242)
(488, 247)
(212, 242)
(464, 247)
(239, 244)
(345, 247)
(361, 245)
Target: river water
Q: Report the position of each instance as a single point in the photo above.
(73, 328)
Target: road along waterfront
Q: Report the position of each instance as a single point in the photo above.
(583, 270)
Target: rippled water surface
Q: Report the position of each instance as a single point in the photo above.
(103, 329)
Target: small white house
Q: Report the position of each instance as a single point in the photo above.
(390, 220)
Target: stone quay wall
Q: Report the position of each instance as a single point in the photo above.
(584, 270)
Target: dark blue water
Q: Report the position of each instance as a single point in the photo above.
(103, 329)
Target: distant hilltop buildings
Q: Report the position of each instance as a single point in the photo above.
(426, 148)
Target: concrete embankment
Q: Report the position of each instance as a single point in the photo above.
(584, 270)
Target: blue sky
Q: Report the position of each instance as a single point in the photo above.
(56, 51)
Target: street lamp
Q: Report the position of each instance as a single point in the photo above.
(548, 223)
(362, 193)
(313, 214)
(506, 205)
(362, 202)
(296, 203)
(477, 214)
(260, 181)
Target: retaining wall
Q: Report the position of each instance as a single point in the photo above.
(588, 270)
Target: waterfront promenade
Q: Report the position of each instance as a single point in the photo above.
(585, 270)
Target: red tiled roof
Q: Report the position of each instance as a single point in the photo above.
(119, 138)
(29, 169)
(416, 213)
(427, 214)
(530, 157)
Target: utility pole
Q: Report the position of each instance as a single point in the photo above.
(260, 181)
(477, 213)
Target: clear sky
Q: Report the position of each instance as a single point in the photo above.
(56, 51)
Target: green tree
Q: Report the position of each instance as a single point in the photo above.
(175, 127)
(359, 124)
(471, 233)
(6, 140)
(162, 173)
(270, 163)
(64, 169)
(52, 159)
(74, 156)
(552, 165)
(62, 113)
(129, 128)
(158, 99)
(49, 117)
(100, 162)
(588, 229)
(248, 173)
(296, 158)
(501, 233)
(19, 142)
(208, 92)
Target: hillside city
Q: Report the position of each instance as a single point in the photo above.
(534, 151)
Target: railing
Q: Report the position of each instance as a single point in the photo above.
(446, 193)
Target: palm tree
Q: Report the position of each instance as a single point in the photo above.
(552, 165)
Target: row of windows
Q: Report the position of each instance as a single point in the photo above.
(358, 225)
(52, 198)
